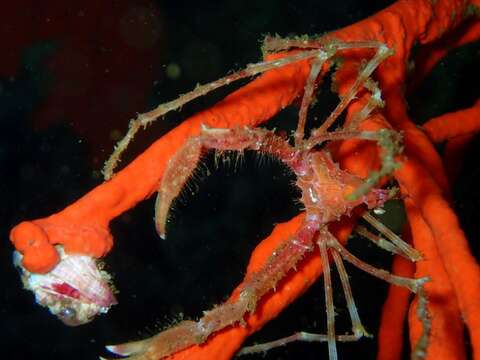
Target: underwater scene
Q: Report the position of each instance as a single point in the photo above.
(135, 225)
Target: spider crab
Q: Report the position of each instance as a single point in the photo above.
(328, 192)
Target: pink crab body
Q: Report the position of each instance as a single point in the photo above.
(328, 193)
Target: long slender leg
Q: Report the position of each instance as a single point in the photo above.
(145, 119)
(332, 347)
(331, 338)
(375, 101)
(357, 327)
(349, 134)
(378, 240)
(315, 69)
(382, 53)
(298, 336)
(327, 242)
(320, 49)
(273, 44)
(405, 249)
(412, 284)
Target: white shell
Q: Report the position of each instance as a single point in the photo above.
(76, 290)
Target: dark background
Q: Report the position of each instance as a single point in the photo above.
(70, 78)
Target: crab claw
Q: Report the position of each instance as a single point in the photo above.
(130, 348)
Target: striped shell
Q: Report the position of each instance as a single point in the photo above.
(75, 291)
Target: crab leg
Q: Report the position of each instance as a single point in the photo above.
(374, 101)
(382, 53)
(178, 170)
(327, 281)
(145, 119)
(379, 241)
(328, 243)
(181, 166)
(357, 327)
(315, 69)
(320, 50)
(404, 249)
(412, 284)
(188, 333)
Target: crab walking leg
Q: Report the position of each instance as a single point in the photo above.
(145, 119)
(357, 327)
(412, 284)
(378, 240)
(374, 101)
(315, 70)
(274, 44)
(382, 53)
(405, 249)
(323, 51)
(256, 285)
(299, 336)
(327, 281)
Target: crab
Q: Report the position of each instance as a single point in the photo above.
(328, 193)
